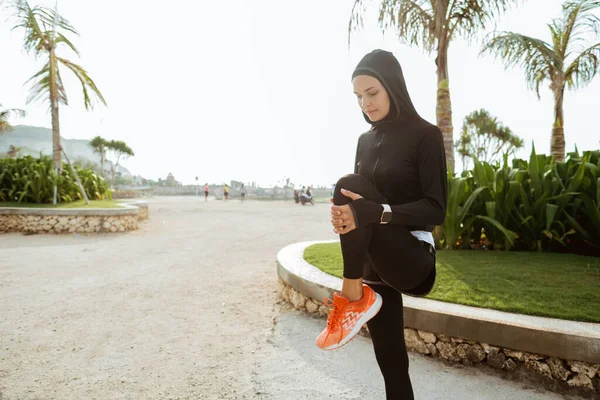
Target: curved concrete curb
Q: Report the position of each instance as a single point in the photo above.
(566, 340)
(128, 208)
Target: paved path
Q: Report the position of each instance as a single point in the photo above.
(185, 308)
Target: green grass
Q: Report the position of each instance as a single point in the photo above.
(75, 204)
(562, 286)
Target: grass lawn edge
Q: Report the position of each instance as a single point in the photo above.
(562, 286)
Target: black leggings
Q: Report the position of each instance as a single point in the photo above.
(392, 261)
(387, 333)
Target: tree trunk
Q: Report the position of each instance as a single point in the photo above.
(81, 188)
(557, 142)
(102, 162)
(115, 165)
(56, 148)
(444, 106)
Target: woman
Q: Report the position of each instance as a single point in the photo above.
(243, 192)
(384, 214)
(206, 191)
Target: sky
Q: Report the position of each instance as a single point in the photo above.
(260, 90)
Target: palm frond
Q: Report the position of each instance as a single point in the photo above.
(60, 38)
(581, 71)
(86, 82)
(26, 18)
(466, 17)
(356, 17)
(5, 126)
(41, 84)
(17, 112)
(536, 56)
(51, 17)
(581, 13)
(562, 29)
(60, 88)
(40, 89)
(414, 21)
(558, 35)
(39, 24)
(580, 21)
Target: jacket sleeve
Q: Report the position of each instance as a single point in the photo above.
(431, 208)
(356, 160)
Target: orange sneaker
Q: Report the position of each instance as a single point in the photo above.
(346, 318)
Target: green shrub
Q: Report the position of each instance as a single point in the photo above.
(32, 180)
(538, 204)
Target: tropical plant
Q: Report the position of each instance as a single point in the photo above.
(45, 32)
(31, 180)
(568, 61)
(432, 25)
(498, 202)
(95, 186)
(537, 204)
(583, 214)
(460, 200)
(484, 138)
(461, 221)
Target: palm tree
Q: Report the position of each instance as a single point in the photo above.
(432, 25)
(569, 60)
(45, 32)
(5, 114)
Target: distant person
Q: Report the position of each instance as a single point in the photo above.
(308, 192)
(243, 192)
(384, 213)
(225, 192)
(206, 191)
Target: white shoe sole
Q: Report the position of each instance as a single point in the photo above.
(366, 317)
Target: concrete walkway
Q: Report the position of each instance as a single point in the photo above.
(185, 309)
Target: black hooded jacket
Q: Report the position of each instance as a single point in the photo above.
(402, 155)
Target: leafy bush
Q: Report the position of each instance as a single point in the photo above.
(538, 204)
(31, 180)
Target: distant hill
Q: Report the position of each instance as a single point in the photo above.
(34, 139)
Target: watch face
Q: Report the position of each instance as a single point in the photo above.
(387, 217)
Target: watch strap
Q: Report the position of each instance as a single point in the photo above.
(387, 210)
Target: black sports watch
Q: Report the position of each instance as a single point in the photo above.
(386, 215)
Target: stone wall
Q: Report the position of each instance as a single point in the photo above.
(68, 224)
(575, 374)
(143, 214)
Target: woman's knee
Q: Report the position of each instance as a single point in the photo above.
(354, 183)
(350, 181)
(345, 182)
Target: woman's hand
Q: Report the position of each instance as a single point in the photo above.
(342, 217)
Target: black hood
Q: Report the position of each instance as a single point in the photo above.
(383, 66)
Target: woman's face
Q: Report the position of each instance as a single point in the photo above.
(372, 97)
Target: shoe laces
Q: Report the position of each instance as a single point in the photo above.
(335, 314)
